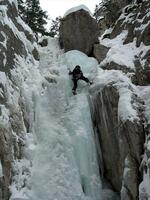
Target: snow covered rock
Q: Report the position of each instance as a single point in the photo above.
(129, 43)
(115, 111)
(78, 31)
(18, 51)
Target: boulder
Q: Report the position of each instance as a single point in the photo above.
(146, 35)
(35, 54)
(78, 31)
(112, 65)
(100, 52)
(44, 42)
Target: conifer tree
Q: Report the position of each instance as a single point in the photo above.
(54, 29)
(21, 9)
(35, 16)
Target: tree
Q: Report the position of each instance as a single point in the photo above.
(21, 9)
(35, 16)
(54, 29)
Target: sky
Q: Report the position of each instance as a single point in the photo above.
(57, 8)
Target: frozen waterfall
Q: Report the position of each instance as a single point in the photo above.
(64, 159)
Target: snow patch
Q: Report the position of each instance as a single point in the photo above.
(4, 117)
(1, 169)
(20, 184)
(74, 9)
(123, 54)
(3, 78)
(100, 18)
(125, 107)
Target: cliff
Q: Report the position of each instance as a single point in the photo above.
(17, 67)
(124, 52)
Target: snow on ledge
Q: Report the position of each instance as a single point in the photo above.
(127, 109)
(80, 7)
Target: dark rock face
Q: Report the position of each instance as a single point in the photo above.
(78, 31)
(122, 3)
(121, 142)
(6, 158)
(14, 45)
(44, 43)
(35, 54)
(100, 52)
(142, 75)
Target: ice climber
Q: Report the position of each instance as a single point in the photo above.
(77, 74)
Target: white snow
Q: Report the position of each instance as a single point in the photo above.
(25, 26)
(1, 170)
(14, 1)
(100, 18)
(126, 109)
(80, 7)
(123, 54)
(3, 78)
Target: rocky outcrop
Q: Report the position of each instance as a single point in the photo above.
(78, 31)
(121, 136)
(122, 141)
(17, 49)
(44, 42)
(135, 22)
(108, 12)
(100, 52)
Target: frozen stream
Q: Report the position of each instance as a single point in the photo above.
(64, 162)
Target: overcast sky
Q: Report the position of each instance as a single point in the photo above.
(57, 8)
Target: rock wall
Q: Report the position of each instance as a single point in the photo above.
(107, 16)
(121, 135)
(124, 48)
(18, 51)
(135, 21)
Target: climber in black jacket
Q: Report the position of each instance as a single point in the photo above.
(77, 74)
